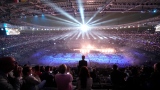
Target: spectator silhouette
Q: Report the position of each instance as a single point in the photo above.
(155, 77)
(7, 65)
(31, 82)
(82, 63)
(84, 81)
(117, 78)
(94, 75)
(133, 80)
(48, 77)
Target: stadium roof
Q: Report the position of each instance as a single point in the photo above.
(70, 13)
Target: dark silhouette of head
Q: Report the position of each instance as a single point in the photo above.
(83, 75)
(7, 64)
(157, 67)
(84, 72)
(27, 70)
(83, 57)
(115, 67)
(47, 68)
(37, 68)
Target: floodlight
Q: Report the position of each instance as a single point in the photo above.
(84, 27)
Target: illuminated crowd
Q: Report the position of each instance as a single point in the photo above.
(26, 44)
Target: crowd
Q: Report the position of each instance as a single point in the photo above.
(27, 43)
(26, 77)
(14, 76)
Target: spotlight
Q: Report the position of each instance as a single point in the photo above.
(155, 11)
(84, 27)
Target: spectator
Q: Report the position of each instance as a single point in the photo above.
(133, 80)
(155, 77)
(84, 80)
(7, 64)
(31, 83)
(82, 63)
(48, 76)
(63, 80)
(117, 77)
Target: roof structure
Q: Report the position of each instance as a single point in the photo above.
(69, 13)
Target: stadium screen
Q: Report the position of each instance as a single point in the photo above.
(9, 31)
(157, 28)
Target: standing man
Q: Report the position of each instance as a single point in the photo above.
(82, 63)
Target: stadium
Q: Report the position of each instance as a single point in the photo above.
(55, 32)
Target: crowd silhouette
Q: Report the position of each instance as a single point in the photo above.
(26, 77)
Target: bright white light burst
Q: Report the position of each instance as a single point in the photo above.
(84, 27)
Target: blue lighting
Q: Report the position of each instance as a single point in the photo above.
(5, 25)
(72, 59)
(155, 11)
(80, 5)
(42, 15)
(63, 12)
(7, 32)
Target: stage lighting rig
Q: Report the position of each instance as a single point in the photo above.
(84, 27)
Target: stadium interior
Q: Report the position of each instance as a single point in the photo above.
(107, 32)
